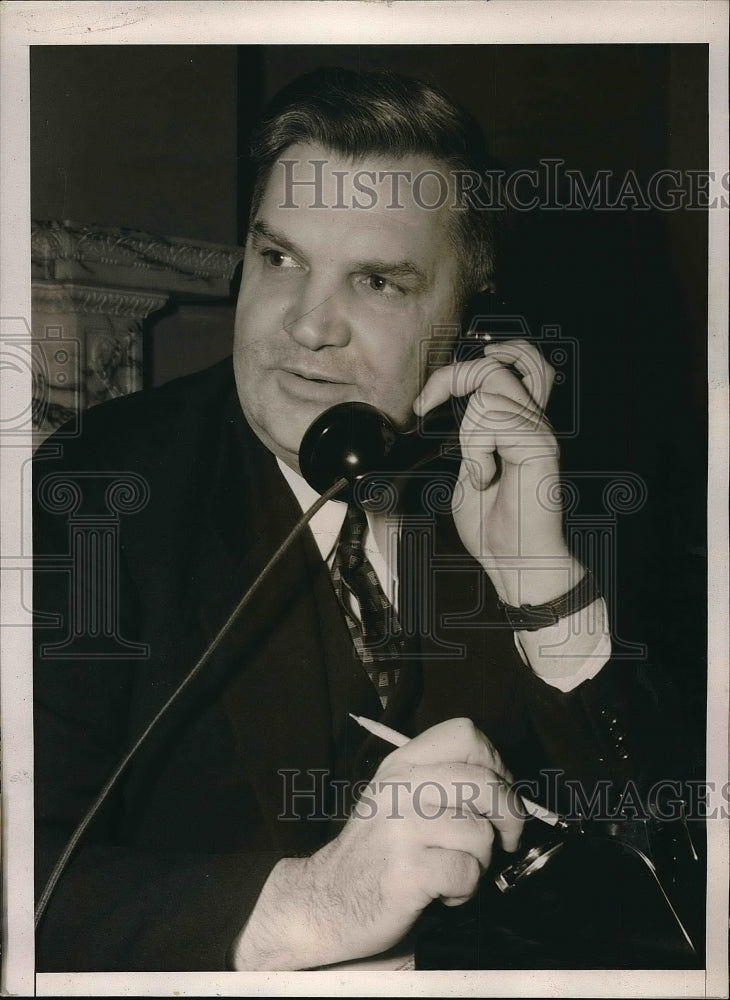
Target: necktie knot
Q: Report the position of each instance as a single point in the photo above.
(351, 544)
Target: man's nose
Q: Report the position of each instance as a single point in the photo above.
(317, 317)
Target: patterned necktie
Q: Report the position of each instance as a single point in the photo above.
(377, 637)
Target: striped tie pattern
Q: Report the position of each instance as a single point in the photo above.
(377, 637)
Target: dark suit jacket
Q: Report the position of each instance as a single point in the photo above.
(168, 872)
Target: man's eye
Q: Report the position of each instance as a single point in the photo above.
(377, 283)
(277, 258)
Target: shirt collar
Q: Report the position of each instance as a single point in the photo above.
(327, 522)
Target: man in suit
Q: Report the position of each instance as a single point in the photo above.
(237, 836)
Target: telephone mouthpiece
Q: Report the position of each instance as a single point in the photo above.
(350, 440)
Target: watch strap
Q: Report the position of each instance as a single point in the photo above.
(531, 617)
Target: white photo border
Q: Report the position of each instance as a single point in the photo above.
(262, 22)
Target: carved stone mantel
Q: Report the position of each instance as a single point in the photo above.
(92, 288)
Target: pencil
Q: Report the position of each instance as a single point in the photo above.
(397, 739)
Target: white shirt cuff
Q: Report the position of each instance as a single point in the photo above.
(575, 649)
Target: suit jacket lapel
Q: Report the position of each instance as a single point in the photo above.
(275, 691)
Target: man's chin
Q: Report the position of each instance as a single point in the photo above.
(287, 449)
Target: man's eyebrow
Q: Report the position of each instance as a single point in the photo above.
(261, 230)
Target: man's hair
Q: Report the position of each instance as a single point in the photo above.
(385, 114)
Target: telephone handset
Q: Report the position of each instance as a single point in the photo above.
(355, 440)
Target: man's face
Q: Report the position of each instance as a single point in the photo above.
(336, 303)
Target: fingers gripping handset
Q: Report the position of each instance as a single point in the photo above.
(424, 828)
(509, 454)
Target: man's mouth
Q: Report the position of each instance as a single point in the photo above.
(313, 386)
(313, 376)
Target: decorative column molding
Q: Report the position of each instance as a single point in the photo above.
(49, 297)
(92, 288)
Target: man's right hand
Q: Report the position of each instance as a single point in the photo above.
(422, 830)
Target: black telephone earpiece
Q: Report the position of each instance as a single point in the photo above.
(356, 440)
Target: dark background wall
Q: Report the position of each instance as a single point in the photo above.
(143, 137)
(136, 136)
(151, 137)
